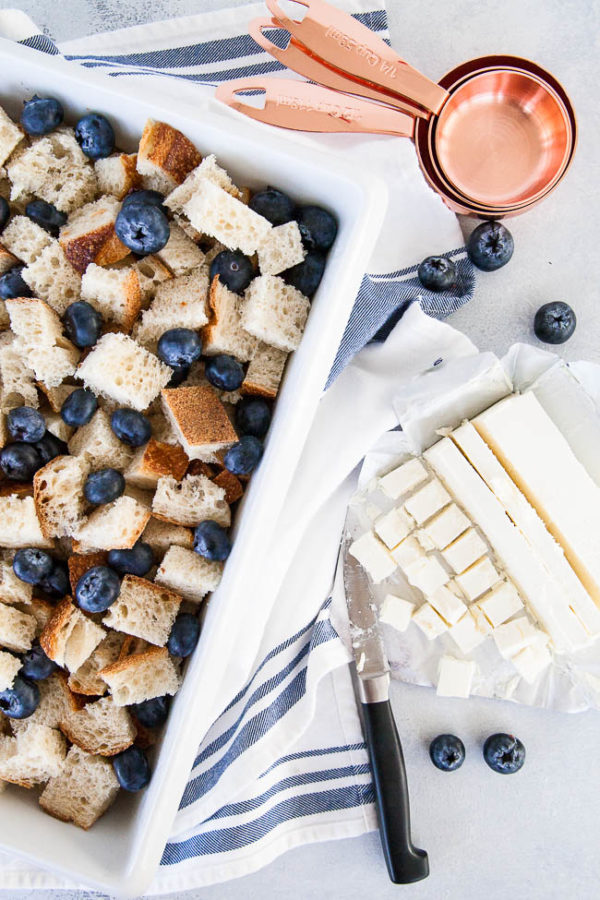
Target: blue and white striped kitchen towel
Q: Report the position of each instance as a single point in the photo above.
(285, 763)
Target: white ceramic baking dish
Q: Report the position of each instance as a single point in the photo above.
(120, 853)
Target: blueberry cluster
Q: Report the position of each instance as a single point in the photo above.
(31, 445)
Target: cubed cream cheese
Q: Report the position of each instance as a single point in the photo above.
(407, 552)
(480, 620)
(373, 557)
(396, 611)
(501, 603)
(512, 637)
(427, 501)
(465, 634)
(464, 551)
(447, 604)
(478, 578)
(531, 662)
(403, 479)
(393, 527)
(446, 526)
(427, 574)
(455, 677)
(429, 622)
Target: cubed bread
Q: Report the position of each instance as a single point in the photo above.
(56, 425)
(114, 526)
(162, 535)
(281, 249)
(41, 610)
(10, 136)
(50, 365)
(9, 667)
(7, 261)
(17, 629)
(19, 524)
(200, 421)
(230, 484)
(50, 355)
(225, 332)
(165, 156)
(265, 372)
(120, 369)
(154, 460)
(89, 235)
(34, 755)
(25, 239)
(151, 272)
(190, 575)
(100, 727)
(142, 676)
(208, 169)
(179, 303)
(17, 381)
(117, 174)
(85, 788)
(98, 443)
(70, 637)
(58, 495)
(275, 312)
(56, 701)
(52, 278)
(144, 610)
(190, 501)
(12, 589)
(115, 293)
(180, 253)
(215, 212)
(86, 679)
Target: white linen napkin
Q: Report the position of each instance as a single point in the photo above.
(285, 763)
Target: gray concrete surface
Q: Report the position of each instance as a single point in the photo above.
(533, 836)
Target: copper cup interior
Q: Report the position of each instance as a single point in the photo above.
(501, 138)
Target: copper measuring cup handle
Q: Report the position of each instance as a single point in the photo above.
(301, 106)
(338, 40)
(298, 59)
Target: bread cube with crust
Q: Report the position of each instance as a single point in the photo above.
(117, 174)
(86, 680)
(19, 524)
(190, 575)
(230, 484)
(208, 169)
(265, 372)
(41, 610)
(115, 293)
(152, 273)
(120, 369)
(179, 303)
(52, 278)
(281, 249)
(142, 676)
(34, 755)
(180, 253)
(56, 701)
(225, 332)
(89, 235)
(144, 610)
(10, 136)
(190, 501)
(25, 238)
(213, 211)
(165, 156)
(200, 421)
(58, 495)
(50, 355)
(275, 312)
(12, 589)
(100, 727)
(17, 629)
(9, 667)
(154, 460)
(70, 637)
(163, 535)
(113, 526)
(99, 445)
(17, 381)
(83, 791)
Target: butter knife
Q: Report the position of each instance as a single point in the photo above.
(405, 862)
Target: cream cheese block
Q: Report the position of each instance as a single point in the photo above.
(500, 603)
(514, 636)
(393, 527)
(427, 501)
(446, 526)
(541, 592)
(455, 677)
(427, 574)
(464, 551)
(373, 557)
(403, 479)
(447, 604)
(396, 611)
(408, 551)
(478, 578)
(531, 661)
(466, 634)
(430, 623)
(540, 461)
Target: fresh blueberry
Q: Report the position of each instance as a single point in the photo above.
(36, 665)
(97, 589)
(151, 713)
(179, 347)
(437, 273)
(83, 323)
(306, 276)
(554, 323)
(31, 564)
(145, 198)
(180, 373)
(79, 407)
(273, 205)
(20, 462)
(504, 753)
(50, 447)
(184, 635)
(21, 700)
(142, 227)
(137, 561)
(46, 216)
(234, 269)
(317, 227)
(132, 769)
(131, 427)
(103, 486)
(243, 457)
(12, 284)
(4, 212)
(41, 115)
(26, 424)
(253, 416)
(211, 541)
(490, 246)
(95, 136)
(224, 372)
(57, 583)
(447, 752)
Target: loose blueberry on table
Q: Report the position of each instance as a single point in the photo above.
(504, 753)
(437, 273)
(97, 589)
(554, 323)
(132, 769)
(447, 752)
(490, 246)
(41, 115)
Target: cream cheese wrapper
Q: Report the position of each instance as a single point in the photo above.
(429, 407)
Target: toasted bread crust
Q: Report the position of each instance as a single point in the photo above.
(72, 736)
(7, 260)
(197, 467)
(100, 246)
(200, 415)
(168, 149)
(132, 178)
(79, 563)
(122, 665)
(19, 489)
(231, 484)
(251, 389)
(48, 637)
(163, 459)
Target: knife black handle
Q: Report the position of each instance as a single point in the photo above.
(405, 862)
